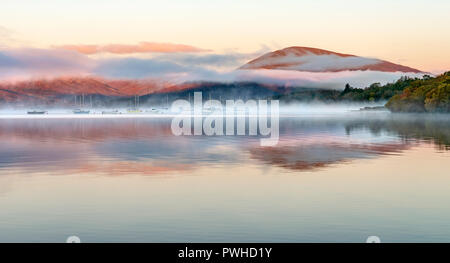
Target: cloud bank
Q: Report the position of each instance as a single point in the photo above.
(20, 64)
(313, 63)
(328, 80)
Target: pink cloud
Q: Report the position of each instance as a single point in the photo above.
(142, 47)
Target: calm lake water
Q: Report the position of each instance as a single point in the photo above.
(332, 178)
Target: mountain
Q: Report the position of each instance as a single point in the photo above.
(49, 89)
(286, 71)
(105, 92)
(319, 60)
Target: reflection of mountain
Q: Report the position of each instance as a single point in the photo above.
(105, 146)
(313, 148)
(147, 146)
(319, 60)
(59, 130)
(306, 156)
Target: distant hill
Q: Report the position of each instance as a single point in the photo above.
(49, 88)
(320, 60)
(64, 91)
(102, 92)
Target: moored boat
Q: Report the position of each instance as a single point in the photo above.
(134, 111)
(36, 112)
(80, 111)
(111, 112)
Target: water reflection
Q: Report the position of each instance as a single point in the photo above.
(309, 156)
(147, 146)
(336, 178)
(434, 128)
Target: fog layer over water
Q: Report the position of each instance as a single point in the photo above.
(285, 109)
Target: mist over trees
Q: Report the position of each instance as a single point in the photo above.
(373, 93)
(428, 94)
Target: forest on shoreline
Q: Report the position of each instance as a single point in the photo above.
(427, 94)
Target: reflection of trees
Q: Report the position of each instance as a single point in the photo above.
(313, 143)
(301, 157)
(434, 128)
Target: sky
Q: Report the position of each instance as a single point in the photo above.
(226, 33)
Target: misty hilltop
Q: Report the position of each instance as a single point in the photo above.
(299, 73)
(320, 60)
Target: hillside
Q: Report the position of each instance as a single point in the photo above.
(319, 60)
(49, 90)
(62, 92)
(404, 95)
(423, 95)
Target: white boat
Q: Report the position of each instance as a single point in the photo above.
(111, 112)
(80, 111)
(152, 110)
